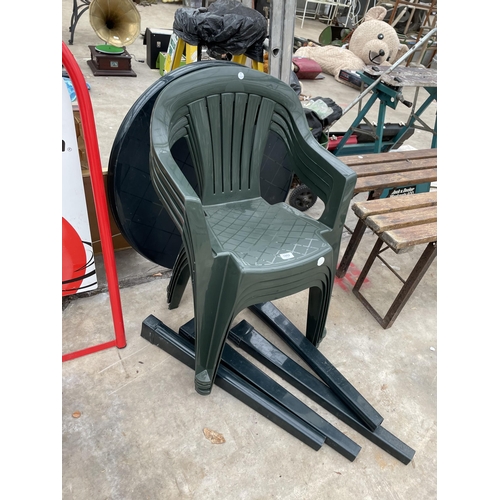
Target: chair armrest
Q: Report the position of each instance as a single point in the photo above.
(327, 177)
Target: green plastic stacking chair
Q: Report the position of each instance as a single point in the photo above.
(238, 249)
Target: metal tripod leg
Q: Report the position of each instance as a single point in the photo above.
(416, 117)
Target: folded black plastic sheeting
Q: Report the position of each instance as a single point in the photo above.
(154, 331)
(319, 363)
(251, 341)
(225, 27)
(240, 365)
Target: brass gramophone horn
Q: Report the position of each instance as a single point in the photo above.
(117, 22)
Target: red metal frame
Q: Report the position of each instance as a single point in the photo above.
(97, 181)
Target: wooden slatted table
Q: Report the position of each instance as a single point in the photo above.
(401, 223)
(379, 171)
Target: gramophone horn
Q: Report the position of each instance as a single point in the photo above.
(117, 22)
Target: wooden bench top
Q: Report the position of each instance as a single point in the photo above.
(379, 171)
(401, 221)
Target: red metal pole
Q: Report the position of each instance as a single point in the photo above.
(96, 178)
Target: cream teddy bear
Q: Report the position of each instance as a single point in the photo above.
(374, 41)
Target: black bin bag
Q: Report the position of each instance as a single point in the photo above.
(225, 27)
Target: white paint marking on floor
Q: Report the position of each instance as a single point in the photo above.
(123, 359)
(138, 376)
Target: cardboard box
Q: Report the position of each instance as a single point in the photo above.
(162, 61)
(351, 78)
(119, 242)
(165, 60)
(79, 138)
(157, 41)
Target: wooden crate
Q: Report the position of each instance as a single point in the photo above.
(119, 242)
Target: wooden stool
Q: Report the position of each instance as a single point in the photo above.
(380, 174)
(401, 222)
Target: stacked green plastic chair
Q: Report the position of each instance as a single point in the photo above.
(238, 249)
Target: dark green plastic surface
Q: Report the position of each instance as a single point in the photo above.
(239, 249)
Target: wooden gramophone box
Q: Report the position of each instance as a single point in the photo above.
(103, 64)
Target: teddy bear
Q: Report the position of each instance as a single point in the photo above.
(374, 41)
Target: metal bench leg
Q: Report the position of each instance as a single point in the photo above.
(78, 11)
(409, 286)
(352, 246)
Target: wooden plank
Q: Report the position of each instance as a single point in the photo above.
(373, 182)
(403, 218)
(383, 205)
(403, 239)
(394, 166)
(388, 157)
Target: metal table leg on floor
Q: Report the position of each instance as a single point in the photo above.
(78, 11)
(354, 242)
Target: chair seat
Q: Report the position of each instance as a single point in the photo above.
(259, 234)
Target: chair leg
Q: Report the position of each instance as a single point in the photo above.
(214, 305)
(317, 312)
(304, 15)
(178, 281)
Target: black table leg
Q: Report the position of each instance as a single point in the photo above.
(319, 363)
(251, 341)
(154, 331)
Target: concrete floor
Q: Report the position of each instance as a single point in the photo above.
(140, 430)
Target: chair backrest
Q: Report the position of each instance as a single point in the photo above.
(226, 113)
